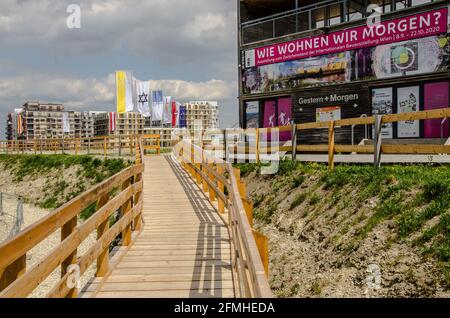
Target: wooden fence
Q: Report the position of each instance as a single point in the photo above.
(106, 146)
(260, 146)
(16, 280)
(249, 248)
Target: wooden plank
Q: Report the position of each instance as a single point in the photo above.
(226, 293)
(415, 149)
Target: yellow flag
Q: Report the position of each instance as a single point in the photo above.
(120, 91)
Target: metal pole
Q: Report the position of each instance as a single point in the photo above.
(377, 141)
(294, 141)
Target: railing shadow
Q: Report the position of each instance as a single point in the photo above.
(209, 248)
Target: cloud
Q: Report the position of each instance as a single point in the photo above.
(191, 45)
(91, 92)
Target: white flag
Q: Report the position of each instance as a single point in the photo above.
(129, 89)
(65, 123)
(157, 105)
(167, 114)
(142, 98)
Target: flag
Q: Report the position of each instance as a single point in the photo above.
(142, 98)
(112, 122)
(19, 124)
(167, 110)
(174, 114)
(65, 123)
(157, 105)
(182, 117)
(124, 91)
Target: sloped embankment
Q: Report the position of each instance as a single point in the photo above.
(49, 181)
(330, 232)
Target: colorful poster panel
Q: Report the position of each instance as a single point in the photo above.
(252, 114)
(382, 105)
(328, 114)
(408, 100)
(269, 118)
(285, 116)
(436, 96)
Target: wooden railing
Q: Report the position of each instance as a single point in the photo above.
(152, 142)
(249, 248)
(258, 147)
(16, 280)
(119, 145)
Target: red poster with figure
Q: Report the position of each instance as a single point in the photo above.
(436, 96)
(270, 118)
(285, 116)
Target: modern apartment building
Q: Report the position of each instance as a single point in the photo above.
(46, 121)
(201, 115)
(307, 61)
(123, 124)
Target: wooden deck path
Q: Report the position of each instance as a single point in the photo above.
(183, 249)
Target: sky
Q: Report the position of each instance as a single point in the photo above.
(187, 48)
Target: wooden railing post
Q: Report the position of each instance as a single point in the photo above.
(221, 186)
(9, 274)
(205, 172)
(138, 219)
(263, 247)
(76, 147)
(331, 136)
(130, 138)
(126, 207)
(158, 150)
(105, 150)
(212, 193)
(294, 142)
(120, 145)
(66, 230)
(103, 258)
(377, 141)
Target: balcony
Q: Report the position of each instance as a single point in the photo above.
(313, 16)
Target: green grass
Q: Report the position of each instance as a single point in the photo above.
(314, 199)
(298, 181)
(91, 169)
(298, 200)
(265, 214)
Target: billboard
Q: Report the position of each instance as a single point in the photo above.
(390, 31)
(412, 57)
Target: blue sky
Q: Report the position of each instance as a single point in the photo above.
(187, 48)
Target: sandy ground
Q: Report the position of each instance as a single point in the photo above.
(37, 254)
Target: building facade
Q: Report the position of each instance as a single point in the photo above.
(307, 61)
(201, 115)
(47, 121)
(123, 124)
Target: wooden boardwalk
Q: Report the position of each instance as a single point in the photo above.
(183, 249)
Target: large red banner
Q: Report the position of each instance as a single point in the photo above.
(397, 30)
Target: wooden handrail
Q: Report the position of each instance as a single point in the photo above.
(249, 258)
(18, 281)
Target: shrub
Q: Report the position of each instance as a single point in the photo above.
(298, 200)
(298, 181)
